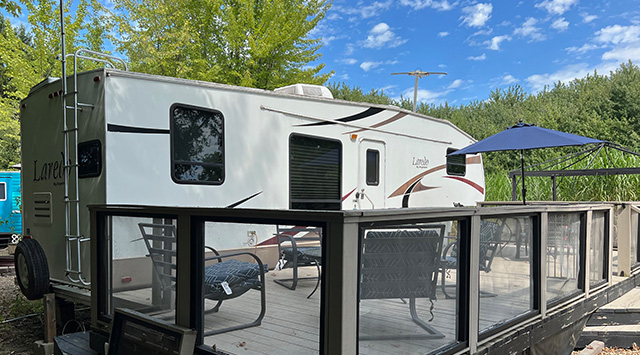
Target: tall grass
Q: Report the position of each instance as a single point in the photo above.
(578, 188)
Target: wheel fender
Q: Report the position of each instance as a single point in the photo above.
(32, 270)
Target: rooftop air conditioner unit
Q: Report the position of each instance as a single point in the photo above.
(306, 90)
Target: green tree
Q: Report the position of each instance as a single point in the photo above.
(254, 43)
(11, 7)
(17, 75)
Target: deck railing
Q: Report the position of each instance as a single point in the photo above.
(405, 281)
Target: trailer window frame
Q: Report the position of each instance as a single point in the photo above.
(3, 191)
(372, 168)
(93, 166)
(456, 164)
(217, 168)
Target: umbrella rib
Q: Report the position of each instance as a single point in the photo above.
(594, 156)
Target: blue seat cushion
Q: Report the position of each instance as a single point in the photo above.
(239, 275)
(306, 256)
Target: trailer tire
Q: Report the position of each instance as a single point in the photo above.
(32, 270)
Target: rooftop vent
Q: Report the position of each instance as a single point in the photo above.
(306, 90)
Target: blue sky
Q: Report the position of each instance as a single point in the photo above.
(482, 45)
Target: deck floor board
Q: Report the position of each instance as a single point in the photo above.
(292, 321)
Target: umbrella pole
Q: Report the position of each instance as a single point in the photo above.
(524, 189)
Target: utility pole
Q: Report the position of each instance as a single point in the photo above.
(418, 74)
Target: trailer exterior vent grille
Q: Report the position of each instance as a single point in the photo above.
(306, 90)
(42, 208)
(315, 179)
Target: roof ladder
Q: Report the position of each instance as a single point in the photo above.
(75, 242)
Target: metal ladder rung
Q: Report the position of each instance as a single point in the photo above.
(70, 130)
(79, 104)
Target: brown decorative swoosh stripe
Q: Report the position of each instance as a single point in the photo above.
(402, 190)
(420, 187)
(358, 116)
(396, 117)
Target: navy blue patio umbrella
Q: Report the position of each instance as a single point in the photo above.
(524, 136)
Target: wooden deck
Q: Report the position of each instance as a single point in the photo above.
(291, 324)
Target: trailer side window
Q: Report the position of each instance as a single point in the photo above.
(3, 191)
(89, 159)
(197, 145)
(456, 164)
(315, 173)
(373, 167)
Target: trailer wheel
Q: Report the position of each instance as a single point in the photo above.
(32, 270)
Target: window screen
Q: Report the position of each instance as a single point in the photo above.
(3, 191)
(456, 164)
(315, 173)
(373, 167)
(89, 159)
(197, 144)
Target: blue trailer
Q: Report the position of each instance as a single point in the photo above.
(10, 206)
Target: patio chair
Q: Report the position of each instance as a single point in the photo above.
(294, 255)
(402, 264)
(223, 280)
(490, 239)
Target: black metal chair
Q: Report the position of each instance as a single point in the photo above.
(223, 279)
(402, 264)
(294, 255)
(490, 239)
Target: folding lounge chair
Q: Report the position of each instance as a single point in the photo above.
(296, 255)
(223, 280)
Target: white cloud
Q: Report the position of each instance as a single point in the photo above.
(443, 5)
(443, 34)
(476, 15)
(486, 32)
(366, 66)
(494, 43)
(387, 88)
(456, 84)
(327, 40)
(623, 54)
(538, 81)
(530, 30)
(332, 15)
(365, 11)
(478, 58)
(382, 36)
(349, 49)
(585, 48)
(508, 79)
(348, 61)
(617, 34)
(428, 96)
(586, 18)
(560, 24)
(557, 7)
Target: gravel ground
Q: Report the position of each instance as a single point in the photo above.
(618, 351)
(18, 336)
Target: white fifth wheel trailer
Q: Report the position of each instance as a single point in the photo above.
(150, 140)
